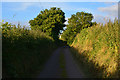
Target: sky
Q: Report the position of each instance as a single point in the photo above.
(22, 12)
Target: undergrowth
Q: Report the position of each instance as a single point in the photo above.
(98, 46)
(24, 51)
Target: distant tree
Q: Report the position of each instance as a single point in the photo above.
(81, 20)
(49, 21)
(77, 22)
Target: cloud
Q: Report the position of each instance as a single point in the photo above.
(99, 19)
(66, 21)
(42, 5)
(110, 10)
(24, 6)
(47, 5)
(63, 6)
(102, 19)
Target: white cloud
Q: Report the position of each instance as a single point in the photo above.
(66, 21)
(102, 19)
(99, 19)
(111, 10)
(63, 6)
(44, 5)
(24, 6)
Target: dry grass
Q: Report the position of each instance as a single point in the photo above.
(100, 45)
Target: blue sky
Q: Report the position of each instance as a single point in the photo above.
(22, 12)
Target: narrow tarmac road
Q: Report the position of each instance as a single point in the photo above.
(72, 69)
(52, 67)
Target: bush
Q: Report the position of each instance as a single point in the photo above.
(100, 45)
(24, 51)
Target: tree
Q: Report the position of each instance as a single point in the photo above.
(49, 21)
(77, 22)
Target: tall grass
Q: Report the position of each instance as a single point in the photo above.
(24, 51)
(100, 44)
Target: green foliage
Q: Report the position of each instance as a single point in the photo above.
(49, 21)
(100, 44)
(81, 20)
(24, 51)
(77, 22)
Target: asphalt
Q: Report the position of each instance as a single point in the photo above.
(52, 67)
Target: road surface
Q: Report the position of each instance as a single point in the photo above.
(52, 68)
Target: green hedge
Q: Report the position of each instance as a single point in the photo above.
(100, 44)
(24, 51)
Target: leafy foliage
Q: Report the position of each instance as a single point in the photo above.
(49, 21)
(100, 44)
(24, 51)
(77, 22)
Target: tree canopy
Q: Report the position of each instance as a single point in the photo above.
(76, 23)
(49, 21)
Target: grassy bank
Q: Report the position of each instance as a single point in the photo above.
(24, 51)
(97, 48)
